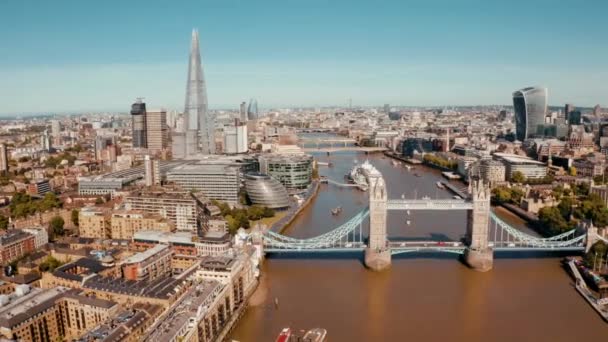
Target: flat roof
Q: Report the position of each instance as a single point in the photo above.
(514, 158)
(140, 257)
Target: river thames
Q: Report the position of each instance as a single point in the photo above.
(423, 297)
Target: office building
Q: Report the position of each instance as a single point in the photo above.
(148, 171)
(413, 146)
(157, 138)
(235, 138)
(266, 191)
(179, 207)
(492, 171)
(293, 171)
(138, 115)
(530, 107)
(387, 108)
(597, 110)
(252, 110)
(39, 187)
(200, 123)
(55, 128)
(218, 182)
(528, 167)
(243, 111)
(567, 109)
(45, 141)
(575, 117)
(3, 159)
(149, 265)
(124, 224)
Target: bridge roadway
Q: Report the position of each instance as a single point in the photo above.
(347, 148)
(456, 247)
(429, 204)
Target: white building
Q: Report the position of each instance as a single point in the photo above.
(235, 139)
(41, 236)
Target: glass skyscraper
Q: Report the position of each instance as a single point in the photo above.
(200, 124)
(252, 110)
(530, 108)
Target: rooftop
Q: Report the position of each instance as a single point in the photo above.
(517, 159)
(140, 257)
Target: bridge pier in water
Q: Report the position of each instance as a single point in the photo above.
(378, 253)
(479, 255)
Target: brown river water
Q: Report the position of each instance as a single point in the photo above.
(423, 297)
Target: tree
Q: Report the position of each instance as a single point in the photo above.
(502, 194)
(98, 201)
(597, 250)
(56, 226)
(551, 221)
(75, 214)
(268, 212)
(49, 201)
(3, 222)
(572, 171)
(49, 264)
(518, 177)
(565, 207)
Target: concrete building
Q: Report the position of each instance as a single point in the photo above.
(156, 131)
(179, 207)
(150, 265)
(39, 187)
(148, 171)
(15, 244)
(40, 234)
(82, 313)
(293, 171)
(529, 167)
(93, 223)
(3, 159)
(464, 163)
(126, 326)
(32, 314)
(219, 182)
(235, 139)
(186, 243)
(492, 171)
(223, 286)
(588, 168)
(125, 224)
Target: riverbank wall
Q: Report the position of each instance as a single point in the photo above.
(280, 226)
(234, 319)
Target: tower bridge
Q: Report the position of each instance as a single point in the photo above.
(485, 234)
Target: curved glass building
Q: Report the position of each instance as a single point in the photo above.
(530, 108)
(252, 110)
(293, 171)
(266, 191)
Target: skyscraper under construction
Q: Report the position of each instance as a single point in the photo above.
(199, 123)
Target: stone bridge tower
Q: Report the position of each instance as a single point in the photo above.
(478, 254)
(377, 254)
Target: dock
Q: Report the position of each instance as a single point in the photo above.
(402, 158)
(455, 190)
(583, 290)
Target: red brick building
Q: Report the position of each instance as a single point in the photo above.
(14, 244)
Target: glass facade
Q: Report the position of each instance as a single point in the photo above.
(412, 146)
(293, 171)
(266, 191)
(530, 107)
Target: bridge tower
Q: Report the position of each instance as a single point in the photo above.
(479, 254)
(591, 237)
(377, 254)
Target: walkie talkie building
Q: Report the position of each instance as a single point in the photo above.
(530, 108)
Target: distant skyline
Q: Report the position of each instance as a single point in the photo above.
(70, 56)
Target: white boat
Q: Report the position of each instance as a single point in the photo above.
(426, 198)
(395, 163)
(408, 212)
(359, 174)
(408, 222)
(440, 185)
(408, 167)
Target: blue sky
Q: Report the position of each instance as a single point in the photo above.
(58, 56)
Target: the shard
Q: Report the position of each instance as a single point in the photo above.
(199, 123)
